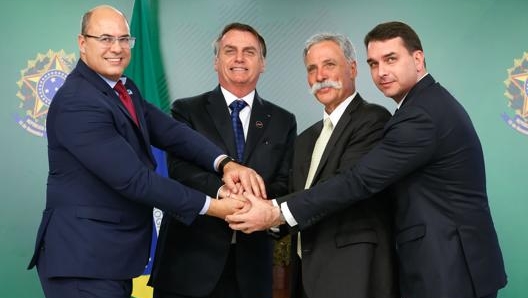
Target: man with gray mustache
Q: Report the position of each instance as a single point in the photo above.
(350, 254)
(320, 85)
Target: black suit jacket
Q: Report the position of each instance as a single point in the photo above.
(431, 154)
(349, 254)
(190, 259)
(102, 184)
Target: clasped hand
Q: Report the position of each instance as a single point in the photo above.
(243, 201)
(257, 214)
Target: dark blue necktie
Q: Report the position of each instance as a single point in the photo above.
(236, 106)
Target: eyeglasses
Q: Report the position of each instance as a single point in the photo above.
(126, 42)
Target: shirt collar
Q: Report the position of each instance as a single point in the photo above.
(339, 110)
(112, 83)
(230, 97)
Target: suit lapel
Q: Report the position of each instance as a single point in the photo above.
(258, 123)
(421, 85)
(142, 129)
(136, 100)
(219, 112)
(104, 88)
(337, 133)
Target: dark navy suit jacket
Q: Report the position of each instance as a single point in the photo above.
(102, 184)
(190, 259)
(431, 155)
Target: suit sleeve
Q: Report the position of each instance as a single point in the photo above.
(95, 137)
(408, 143)
(186, 172)
(180, 140)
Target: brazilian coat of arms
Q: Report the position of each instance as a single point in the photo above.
(517, 95)
(37, 85)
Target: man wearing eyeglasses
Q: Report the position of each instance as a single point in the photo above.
(96, 229)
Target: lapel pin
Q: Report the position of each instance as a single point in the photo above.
(259, 124)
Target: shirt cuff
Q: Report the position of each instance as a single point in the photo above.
(217, 161)
(287, 214)
(206, 205)
(275, 229)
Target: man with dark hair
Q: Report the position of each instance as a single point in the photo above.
(207, 258)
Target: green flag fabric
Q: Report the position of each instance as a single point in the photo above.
(146, 67)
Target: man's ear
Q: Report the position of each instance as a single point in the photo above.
(263, 68)
(80, 42)
(419, 60)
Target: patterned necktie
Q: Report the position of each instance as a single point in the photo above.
(317, 153)
(126, 100)
(236, 106)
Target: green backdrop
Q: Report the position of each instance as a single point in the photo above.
(476, 48)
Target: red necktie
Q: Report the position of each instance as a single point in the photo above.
(126, 100)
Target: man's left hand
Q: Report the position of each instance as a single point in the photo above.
(249, 179)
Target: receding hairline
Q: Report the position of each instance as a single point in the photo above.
(85, 21)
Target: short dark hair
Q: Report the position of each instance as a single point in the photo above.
(240, 27)
(391, 30)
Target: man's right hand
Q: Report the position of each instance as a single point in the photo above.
(228, 203)
(262, 215)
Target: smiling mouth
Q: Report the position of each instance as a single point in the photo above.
(238, 69)
(113, 60)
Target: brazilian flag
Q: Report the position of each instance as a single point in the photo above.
(146, 69)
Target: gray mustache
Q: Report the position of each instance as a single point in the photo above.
(332, 84)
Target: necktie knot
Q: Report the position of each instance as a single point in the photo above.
(237, 105)
(327, 124)
(120, 88)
